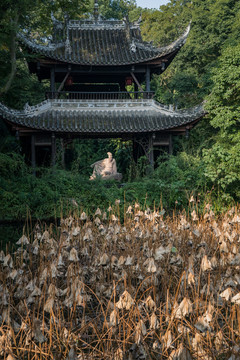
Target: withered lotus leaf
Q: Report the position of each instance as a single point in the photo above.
(125, 301)
(107, 287)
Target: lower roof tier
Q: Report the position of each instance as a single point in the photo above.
(101, 116)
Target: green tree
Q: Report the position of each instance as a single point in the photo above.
(188, 79)
(164, 25)
(222, 160)
(27, 14)
(114, 9)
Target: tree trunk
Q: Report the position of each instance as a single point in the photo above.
(12, 54)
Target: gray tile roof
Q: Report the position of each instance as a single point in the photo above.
(99, 43)
(101, 116)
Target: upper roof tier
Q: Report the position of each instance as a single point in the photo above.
(100, 43)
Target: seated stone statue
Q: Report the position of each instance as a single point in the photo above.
(106, 169)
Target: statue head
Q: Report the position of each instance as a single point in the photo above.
(109, 155)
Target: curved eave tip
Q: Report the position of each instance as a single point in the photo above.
(180, 41)
(187, 31)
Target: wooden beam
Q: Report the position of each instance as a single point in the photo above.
(136, 81)
(62, 83)
(88, 69)
(43, 144)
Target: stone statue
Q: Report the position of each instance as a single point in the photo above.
(106, 169)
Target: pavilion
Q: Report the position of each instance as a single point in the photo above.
(89, 64)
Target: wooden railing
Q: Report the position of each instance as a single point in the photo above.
(121, 95)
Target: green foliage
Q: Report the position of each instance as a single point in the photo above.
(180, 90)
(222, 160)
(27, 14)
(86, 152)
(165, 25)
(116, 9)
(137, 171)
(12, 165)
(214, 24)
(207, 64)
(182, 175)
(25, 89)
(56, 193)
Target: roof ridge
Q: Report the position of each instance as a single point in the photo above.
(50, 103)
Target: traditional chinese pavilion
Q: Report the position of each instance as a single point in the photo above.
(89, 64)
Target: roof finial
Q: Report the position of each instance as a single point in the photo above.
(96, 12)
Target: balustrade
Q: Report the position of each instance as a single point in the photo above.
(121, 95)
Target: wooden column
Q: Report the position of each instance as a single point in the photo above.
(122, 86)
(63, 154)
(146, 142)
(33, 155)
(150, 151)
(53, 148)
(52, 80)
(170, 144)
(17, 135)
(135, 90)
(148, 78)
